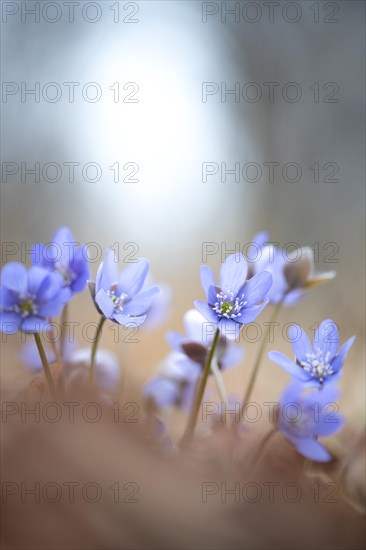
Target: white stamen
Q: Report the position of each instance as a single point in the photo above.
(118, 301)
(227, 307)
(318, 365)
(26, 306)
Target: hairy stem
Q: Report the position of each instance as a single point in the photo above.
(259, 357)
(188, 435)
(45, 365)
(95, 346)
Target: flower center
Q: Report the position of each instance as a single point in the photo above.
(318, 365)
(227, 306)
(26, 307)
(118, 301)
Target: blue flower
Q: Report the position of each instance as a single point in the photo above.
(159, 435)
(29, 297)
(175, 384)
(198, 340)
(236, 301)
(107, 370)
(159, 311)
(62, 255)
(303, 417)
(31, 359)
(320, 362)
(271, 259)
(292, 272)
(121, 298)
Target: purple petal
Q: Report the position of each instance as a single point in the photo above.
(300, 342)
(162, 390)
(233, 273)
(206, 311)
(207, 280)
(326, 338)
(30, 356)
(229, 329)
(175, 340)
(233, 355)
(178, 367)
(64, 239)
(38, 280)
(160, 310)
(7, 298)
(127, 320)
(328, 423)
(107, 372)
(293, 297)
(249, 314)
(50, 287)
(196, 326)
(34, 324)
(142, 302)
(64, 295)
(105, 303)
(14, 276)
(80, 267)
(311, 448)
(53, 307)
(63, 235)
(107, 274)
(133, 277)
(321, 398)
(261, 238)
(340, 358)
(257, 287)
(9, 322)
(293, 391)
(289, 366)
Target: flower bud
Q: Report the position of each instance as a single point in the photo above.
(297, 272)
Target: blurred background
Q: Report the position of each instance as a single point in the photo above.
(151, 113)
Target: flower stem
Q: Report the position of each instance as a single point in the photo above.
(94, 347)
(56, 351)
(45, 365)
(219, 381)
(63, 330)
(260, 356)
(201, 388)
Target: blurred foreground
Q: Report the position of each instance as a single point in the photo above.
(87, 479)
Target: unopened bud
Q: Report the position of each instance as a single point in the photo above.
(297, 272)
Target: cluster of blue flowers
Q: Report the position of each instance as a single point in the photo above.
(30, 298)
(245, 288)
(315, 371)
